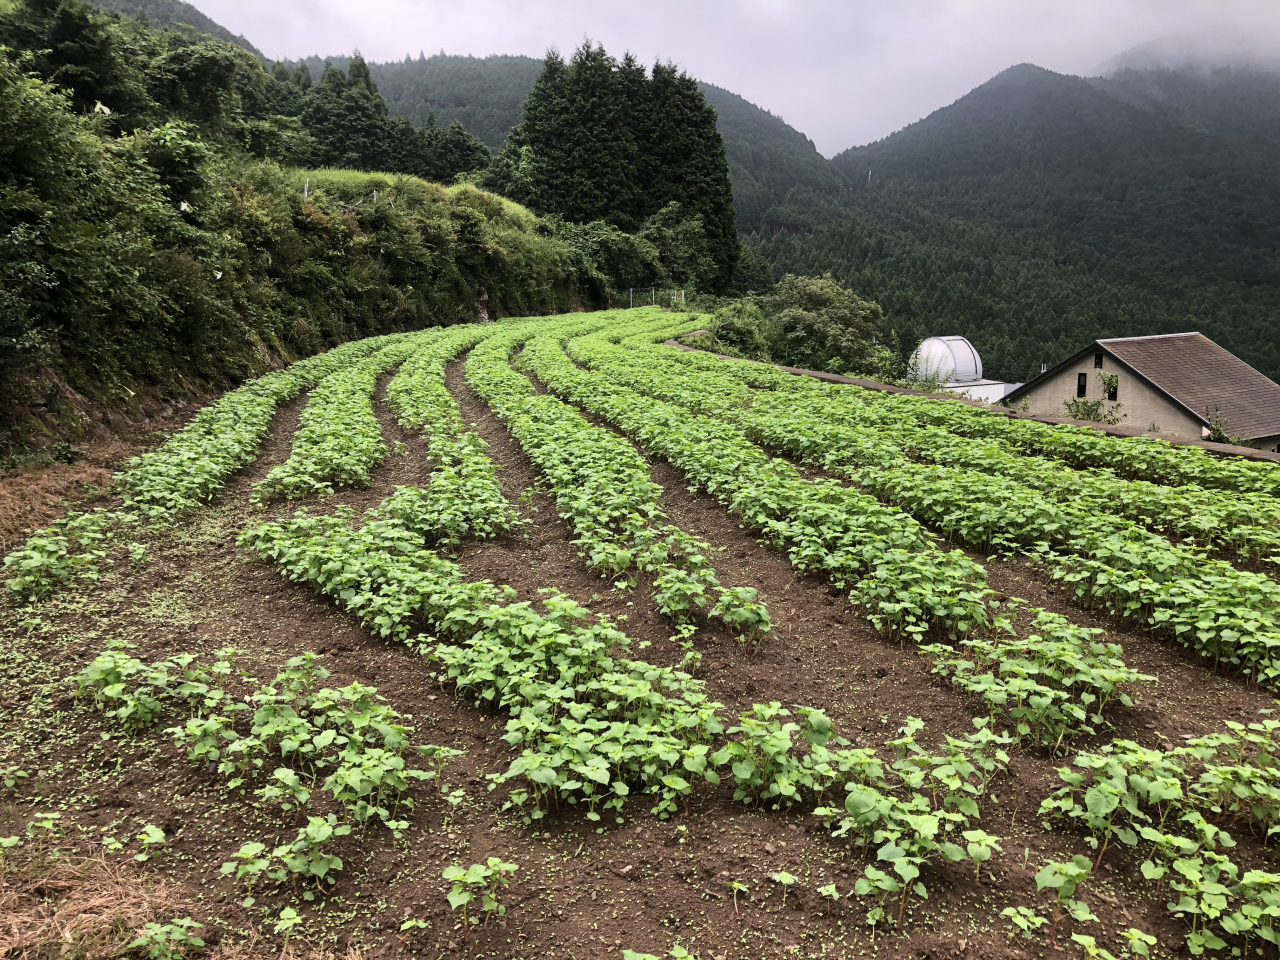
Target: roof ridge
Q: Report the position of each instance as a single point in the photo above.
(1153, 336)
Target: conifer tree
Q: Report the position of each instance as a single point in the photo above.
(604, 141)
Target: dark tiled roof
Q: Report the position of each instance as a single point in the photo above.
(1200, 375)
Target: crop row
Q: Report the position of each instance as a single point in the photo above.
(602, 487)
(464, 497)
(892, 565)
(339, 439)
(1243, 524)
(593, 727)
(345, 743)
(1140, 458)
(182, 474)
(596, 728)
(1225, 614)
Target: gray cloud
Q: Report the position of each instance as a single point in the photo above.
(845, 73)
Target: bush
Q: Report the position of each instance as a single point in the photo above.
(740, 329)
(823, 326)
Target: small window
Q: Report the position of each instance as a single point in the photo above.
(1082, 384)
(1114, 390)
(1097, 360)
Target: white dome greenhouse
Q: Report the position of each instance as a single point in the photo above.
(955, 366)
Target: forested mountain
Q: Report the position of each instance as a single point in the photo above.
(767, 158)
(1041, 211)
(483, 94)
(174, 15)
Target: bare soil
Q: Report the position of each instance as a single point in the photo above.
(583, 890)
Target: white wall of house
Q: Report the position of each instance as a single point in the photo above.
(1141, 405)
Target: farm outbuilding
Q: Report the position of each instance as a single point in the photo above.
(957, 368)
(1173, 384)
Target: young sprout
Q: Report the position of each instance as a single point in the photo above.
(736, 888)
(979, 849)
(251, 866)
(151, 837)
(1062, 879)
(42, 827)
(1025, 919)
(288, 920)
(830, 892)
(1139, 942)
(482, 879)
(786, 880)
(1091, 949)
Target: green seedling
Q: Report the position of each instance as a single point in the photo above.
(306, 856)
(438, 757)
(250, 866)
(151, 838)
(479, 880)
(736, 887)
(168, 941)
(1091, 948)
(288, 791)
(830, 892)
(979, 846)
(875, 881)
(1062, 879)
(1025, 919)
(785, 880)
(286, 923)
(7, 844)
(42, 826)
(1139, 943)
(13, 780)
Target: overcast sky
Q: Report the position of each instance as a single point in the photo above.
(845, 72)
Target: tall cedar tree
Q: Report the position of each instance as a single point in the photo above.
(601, 140)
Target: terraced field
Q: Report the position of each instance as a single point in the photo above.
(545, 639)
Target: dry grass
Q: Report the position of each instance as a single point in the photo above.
(92, 909)
(29, 501)
(78, 909)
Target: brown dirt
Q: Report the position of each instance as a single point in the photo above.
(642, 885)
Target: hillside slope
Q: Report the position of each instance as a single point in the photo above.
(174, 15)
(1041, 210)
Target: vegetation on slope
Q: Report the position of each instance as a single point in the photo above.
(158, 239)
(174, 15)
